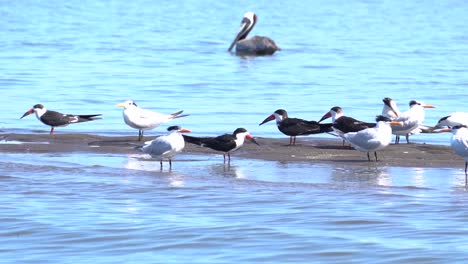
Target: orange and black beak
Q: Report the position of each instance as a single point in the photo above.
(30, 111)
(325, 116)
(251, 138)
(268, 119)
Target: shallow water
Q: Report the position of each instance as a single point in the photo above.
(64, 208)
(84, 57)
(87, 56)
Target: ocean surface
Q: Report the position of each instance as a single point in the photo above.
(84, 57)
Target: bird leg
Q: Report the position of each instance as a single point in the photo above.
(407, 138)
(294, 140)
(229, 158)
(375, 154)
(224, 157)
(170, 164)
(368, 157)
(397, 139)
(51, 130)
(466, 175)
(160, 162)
(140, 135)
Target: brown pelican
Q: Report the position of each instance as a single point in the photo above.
(253, 46)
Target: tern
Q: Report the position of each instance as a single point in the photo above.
(459, 143)
(253, 46)
(226, 143)
(56, 119)
(390, 108)
(143, 119)
(412, 120)
(293, 127)
(454, 119)
(166, 147)
(374, 138)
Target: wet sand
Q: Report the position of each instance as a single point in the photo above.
(307, 149)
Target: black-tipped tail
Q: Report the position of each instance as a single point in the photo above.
(86, 118)
(178, 114)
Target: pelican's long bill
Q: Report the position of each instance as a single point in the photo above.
(246, 26)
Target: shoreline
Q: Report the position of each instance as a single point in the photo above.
(314, 150)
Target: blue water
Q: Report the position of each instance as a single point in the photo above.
(74, 209)
(84, 57)
(87, 56)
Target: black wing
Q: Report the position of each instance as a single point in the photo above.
(347, 124)
(53, 118)
(297, 127)
(223, 143)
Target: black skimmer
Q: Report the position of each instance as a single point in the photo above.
(56, 119)
(373, 138)
(253, 46)
(344, 124)
(226, 143)
(143, 119)
(412, 120)
(459, 143)
(454, 119)
(293, 127)
(166, 147)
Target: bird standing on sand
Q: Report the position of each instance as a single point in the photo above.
(344, 124)
(226, 143)
(293, 127)
(459, 143)
(253, 46)
(56, 119)
(143, 119)
(166, 147)
(412, 120)
(374, 138)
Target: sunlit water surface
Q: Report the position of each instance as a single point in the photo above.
(84, 57)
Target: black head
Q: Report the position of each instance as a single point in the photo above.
(387, 101)
(239, 130)
(173, 128)
(414, 102)
(336, 109)
(40, 106)
(281, 112)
